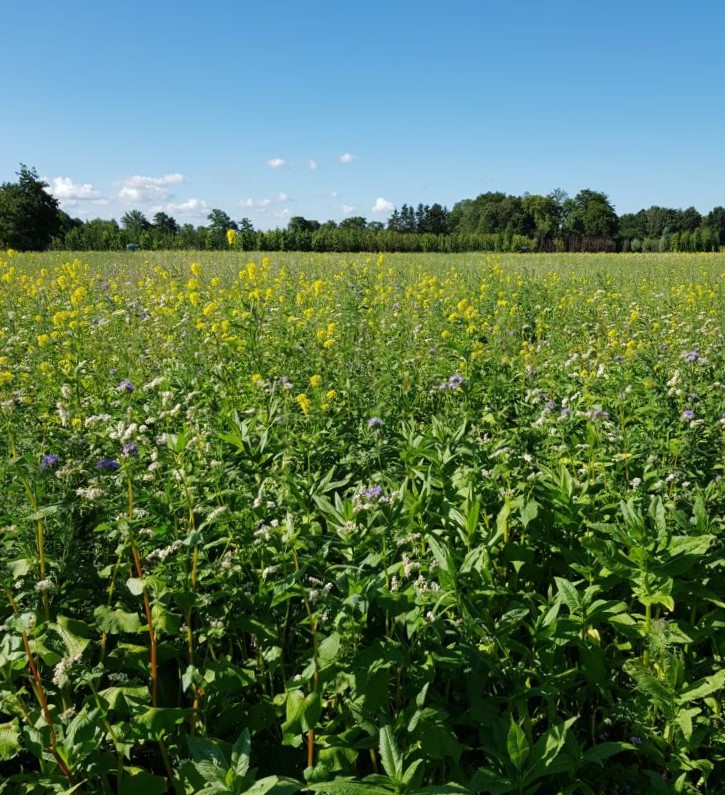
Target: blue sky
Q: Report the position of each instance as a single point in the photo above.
(327, 109)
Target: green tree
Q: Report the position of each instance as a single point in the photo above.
(29, 215)
(165, 224)
(593, 215)
(354, 222)
(134, 222)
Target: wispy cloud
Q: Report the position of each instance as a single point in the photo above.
(382, 206)
(346, 209)
(312, 165)
(259, 204)
(277, 163)
(145, 190)
(282, 197)
(347, 158)
(285, 213)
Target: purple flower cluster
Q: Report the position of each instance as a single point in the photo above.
(130, 449)
(108, 463)
(687, 415)
(49, 461)
(691, 356)
(125, 386)
(375, 423)
(373, 492)
(456, 381)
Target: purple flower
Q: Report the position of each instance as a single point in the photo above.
(455, 381)
(375, 422)
(130, 449)
(373, 492)
(49, 461)
(635, 740)
(597, 414)
(125, 386)
(107, 463)
(688, 414)
(691, 356)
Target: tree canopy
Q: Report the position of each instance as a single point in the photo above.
(31, 219)
(29, 215)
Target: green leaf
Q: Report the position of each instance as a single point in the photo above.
(135, 585)
(446, 564)
(704, 687)
(602, 751)
(329, 649)
(547, 748)
(9, 740)
(346, 786)
(390, 755)
(240, 755)
(75, 634)
(202, 748)
(413, 775)
(274, 785)
(569, 595)
(517, 745)
(136, 780)
(162, 720)
(113, 622)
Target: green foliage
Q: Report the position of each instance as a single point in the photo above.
(29, 215)
(392, 525)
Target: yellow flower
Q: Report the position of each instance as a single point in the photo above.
(5, 377)
(257, 379)
(302, 401)
(315, 381)
(331, 394)
(43, 339)
(195, 268)
(232, 236)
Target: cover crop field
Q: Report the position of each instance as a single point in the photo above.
(362, 525)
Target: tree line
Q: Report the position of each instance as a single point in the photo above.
(31, 219)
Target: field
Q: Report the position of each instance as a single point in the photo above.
(363, 524)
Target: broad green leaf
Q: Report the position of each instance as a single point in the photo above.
(706, 686)
(136, 780)
(548, 747)
(684, 721)
(162, 720)
(75, 634)
(517, 745)
(274, 785)
(202, 748)
(329, 649)
(9, 741)
(113, 622)
(240, 755)
(390, 755)
(345, 786)
(135, 585)
(602, 751)
(569, 595)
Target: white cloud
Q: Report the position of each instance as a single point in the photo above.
(144, 190)
(382, 206)
(188, 207)
(346, 209)
(281, 197)
(283, 213)
(277, 163)
(64, 189)
(258, 203)
(312, 165)
(347, 158)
